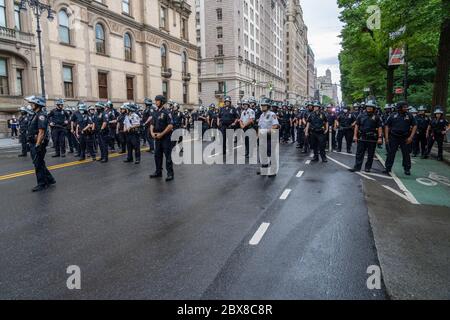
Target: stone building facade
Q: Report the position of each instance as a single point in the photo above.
(296, 54)
(327, 88)
(311, 75)
(99, 50)
(243, 49)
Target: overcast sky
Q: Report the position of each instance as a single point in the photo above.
(324, 27)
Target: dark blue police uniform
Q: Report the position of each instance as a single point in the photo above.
(368, 126)
(59, 120)
(318, 141)
(227, 116)
(39, 121)
(162, 118)
(400, 126)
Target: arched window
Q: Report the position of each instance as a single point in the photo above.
(64, 30)
(164, 56)
(128, 47)
(184, 63)
(100, 41)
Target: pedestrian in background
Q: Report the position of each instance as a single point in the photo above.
(14, 124)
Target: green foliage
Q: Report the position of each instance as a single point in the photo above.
(364, 58)
(326, 100)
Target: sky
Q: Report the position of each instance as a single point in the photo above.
(322, 19)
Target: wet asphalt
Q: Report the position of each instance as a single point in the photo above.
(136, 238)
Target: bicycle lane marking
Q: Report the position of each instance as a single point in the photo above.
(434, 192)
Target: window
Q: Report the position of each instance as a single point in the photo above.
(4, 89)
(185, 92)
(64, 31)
(126, 6)
(219, 14)
(19, 82)
(100, 39)
(17, 19)
(184, 66)
(219, 68)
(128, 47)
(130, 88)
(2, 13)
(163, 16)
(184, 29)
(103, 85)
(221, 86)
(220, 50)
(165, 89)
(219, 32)
(68, 81)
(164, 56)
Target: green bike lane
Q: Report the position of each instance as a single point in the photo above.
(429, 182)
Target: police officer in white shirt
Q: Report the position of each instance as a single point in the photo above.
(132, 124)
(267, 122)
(246, 122)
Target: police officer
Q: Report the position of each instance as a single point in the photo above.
(367, 134)
(316, 128)
(436, 132)
(203, 118)
(132, 123)
(345, 122)
(420, 140)
(85, 132)
(24, 120)
(121, 129)
(228, 118)
(147, 117)
(178, 120)
(331, 118)
(309, 110)
(267, 122)
(213, 116)
(399, 132)
(246, 122)
(101, 130)
(37, 136)
(111, 119)
(76, 116)
(59, 121)
(161, 130)
(300, 127)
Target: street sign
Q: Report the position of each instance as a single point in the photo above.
(396, 56)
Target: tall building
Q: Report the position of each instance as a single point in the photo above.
(99, 50)
(311, 74)
(243, 49)
(296, 54)
(327, 88)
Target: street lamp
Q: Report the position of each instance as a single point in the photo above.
(38, 9)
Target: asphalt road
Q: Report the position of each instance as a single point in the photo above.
(136, 238)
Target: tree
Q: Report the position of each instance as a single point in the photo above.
(440, 91)
(364, 58)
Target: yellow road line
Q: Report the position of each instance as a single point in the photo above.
(57, 166)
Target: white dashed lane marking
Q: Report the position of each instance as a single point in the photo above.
(308, 162)
(300, 174)
(256, 239)
(285, 194)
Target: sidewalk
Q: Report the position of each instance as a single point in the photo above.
(8, 143)
(429, 182)
(412, 245)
